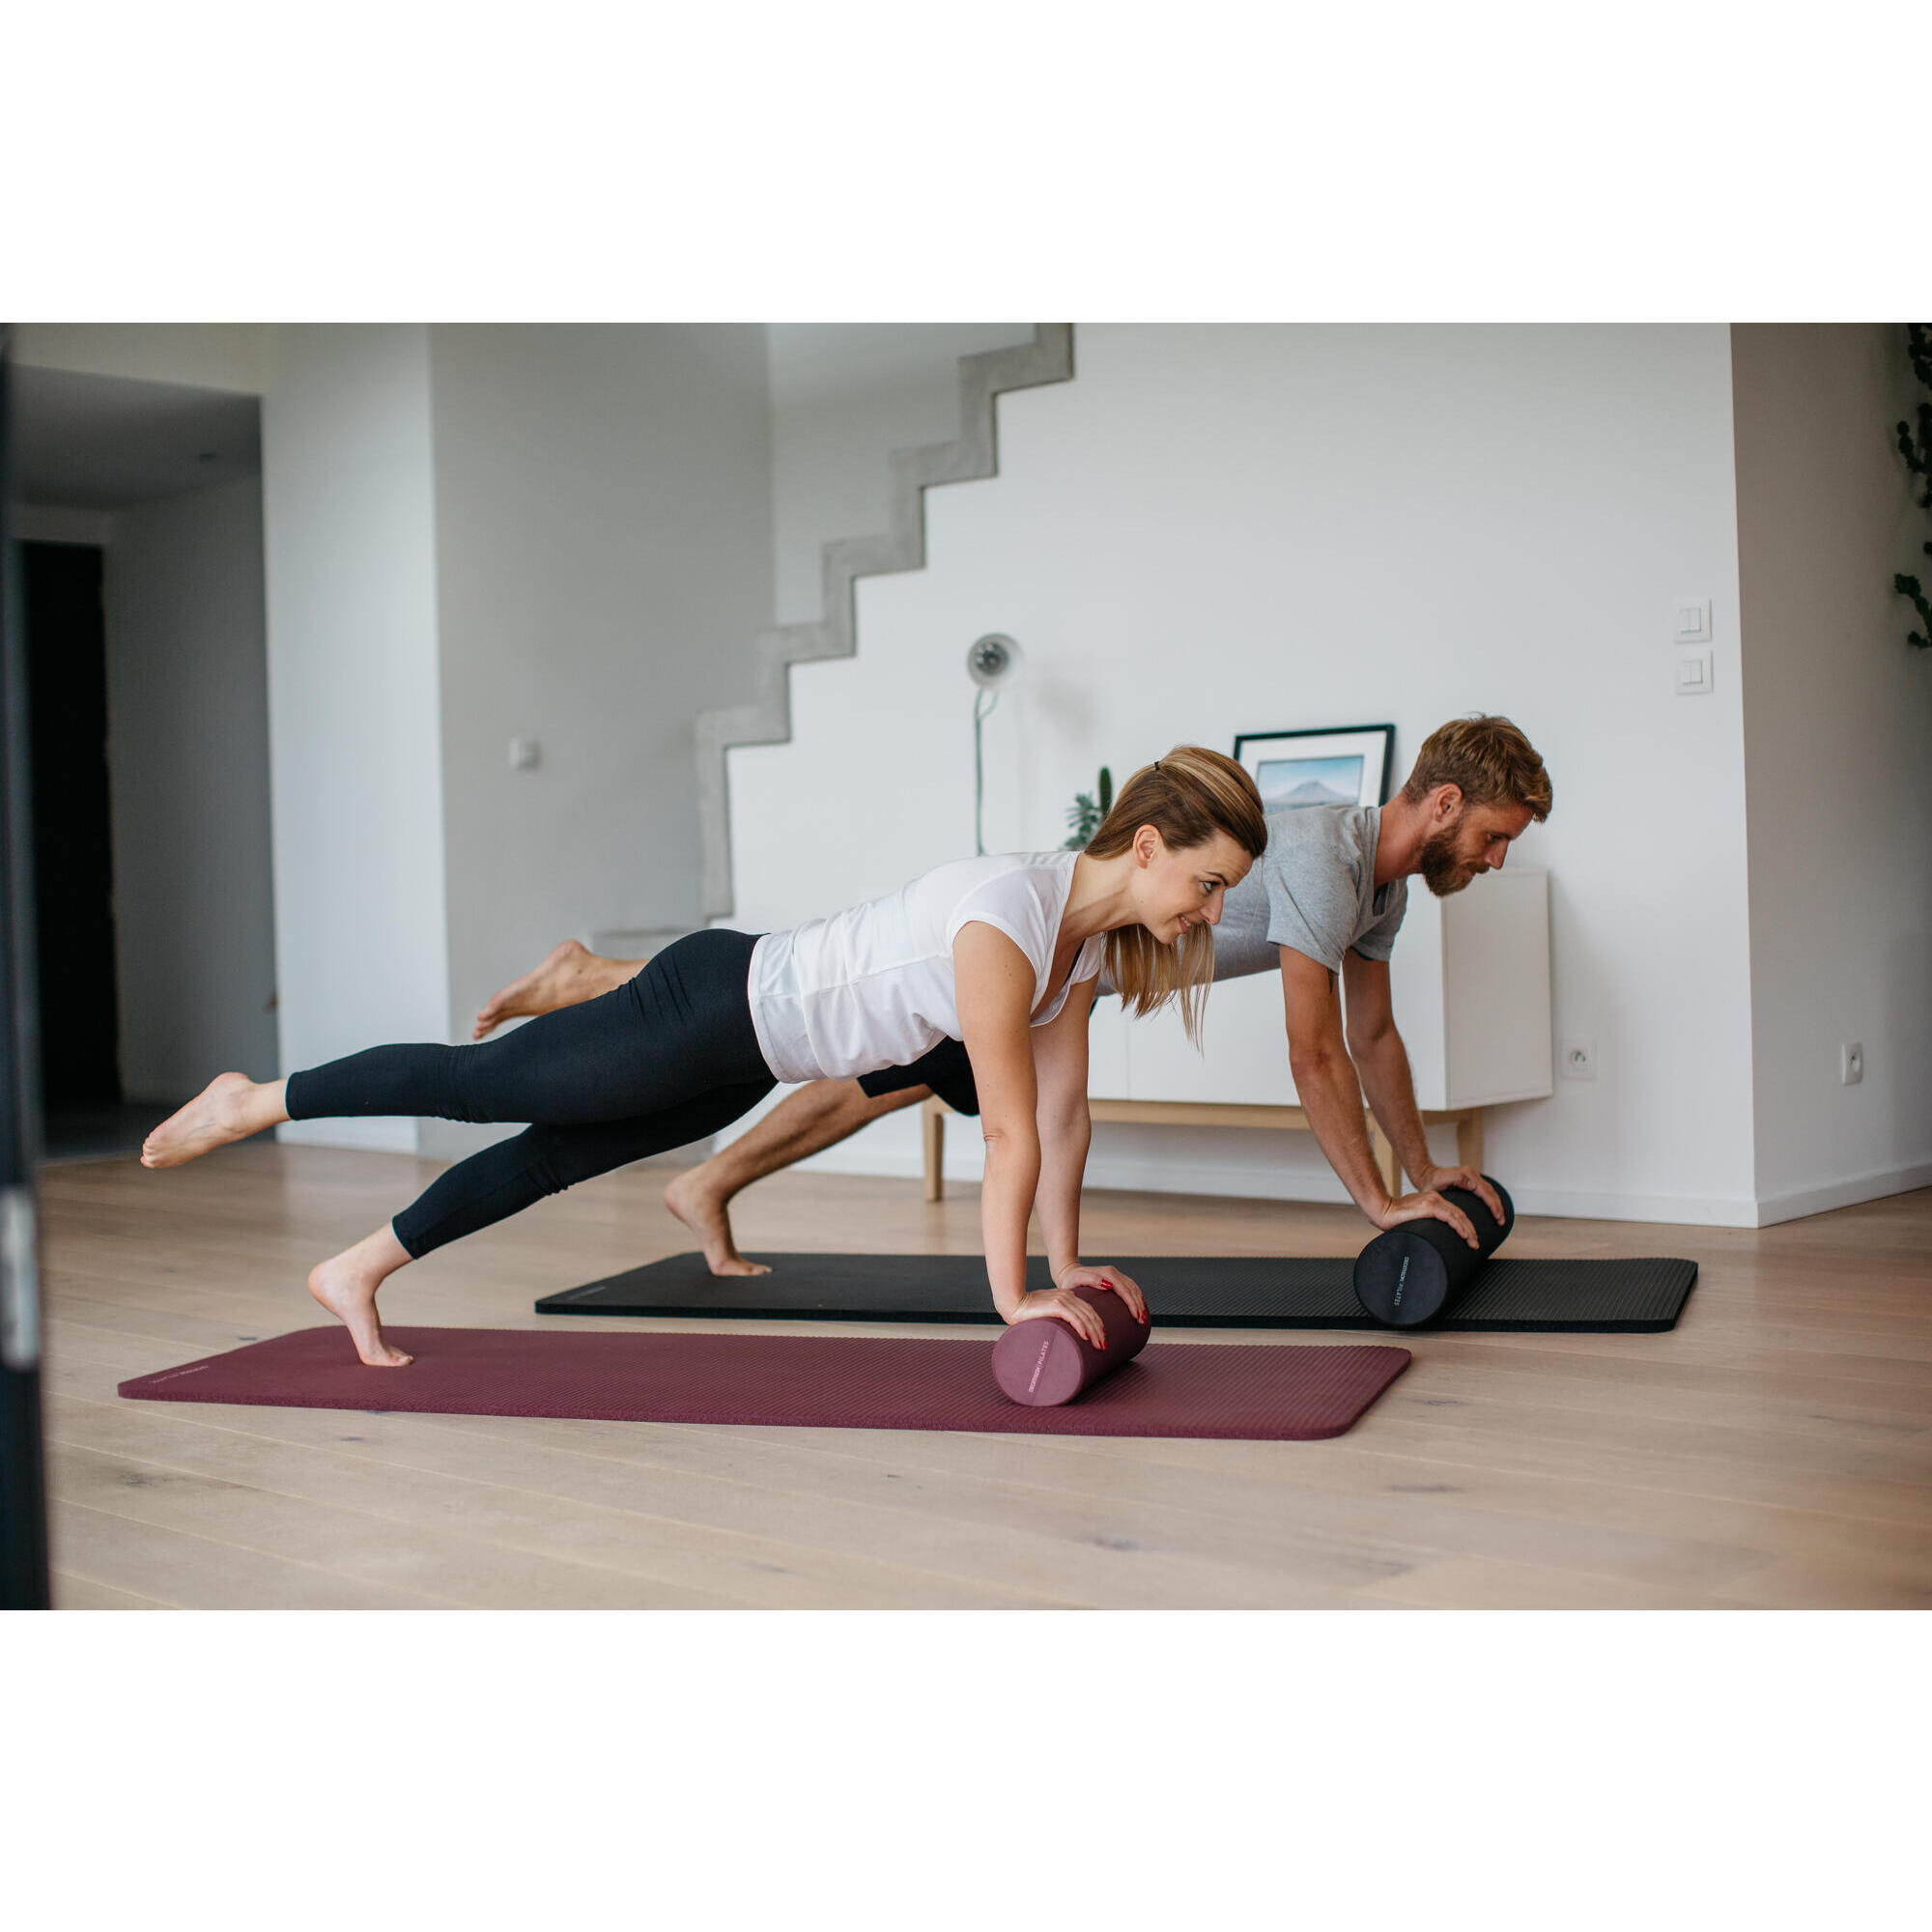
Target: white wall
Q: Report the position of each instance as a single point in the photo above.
(842, 397)
(354, 701)
(1211, 530)
(603, 560)
(1837, 721)
(188, 731)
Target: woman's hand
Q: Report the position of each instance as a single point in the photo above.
(1080, 1316)
(1103, 1276)
(1065, 1306)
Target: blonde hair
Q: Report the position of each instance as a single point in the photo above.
(1187, 797)
(1489, 758)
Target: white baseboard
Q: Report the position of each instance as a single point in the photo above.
(1791, 1203)
(379, 1136)
(1683, 1210)
(433, 1140)
(458, 1140)
(1161, 1175)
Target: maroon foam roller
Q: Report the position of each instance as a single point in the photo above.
(1266, 1391)
(1044, 1363)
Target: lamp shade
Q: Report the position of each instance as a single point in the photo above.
(993, 662)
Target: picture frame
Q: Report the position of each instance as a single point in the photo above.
(1342, 764)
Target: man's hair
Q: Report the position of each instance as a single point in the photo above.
(1489, 758)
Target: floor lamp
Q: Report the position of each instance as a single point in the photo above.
(992, 663)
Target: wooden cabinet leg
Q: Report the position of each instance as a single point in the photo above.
(932, 1132)
(1386, 1163)
(1469, 1139)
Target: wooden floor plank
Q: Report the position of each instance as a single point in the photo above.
(83, 1593)
(388, 1469)
(203, 1571)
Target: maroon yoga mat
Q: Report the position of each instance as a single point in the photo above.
(1268, 1391)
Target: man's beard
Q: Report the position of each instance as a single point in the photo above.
(1443, 872)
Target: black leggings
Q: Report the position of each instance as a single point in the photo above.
(666, 1059)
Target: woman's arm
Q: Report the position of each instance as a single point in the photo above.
(1065, 1127)
(994, 988)
(1060, 1069)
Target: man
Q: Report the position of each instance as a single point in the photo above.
(1324, 905)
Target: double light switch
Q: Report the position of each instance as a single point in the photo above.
(1690, 633)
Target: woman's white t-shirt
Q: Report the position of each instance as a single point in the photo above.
(872, 987)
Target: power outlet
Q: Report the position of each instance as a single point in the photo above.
(1851, 1063)
(1577, 1059)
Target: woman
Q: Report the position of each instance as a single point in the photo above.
(1003, 954)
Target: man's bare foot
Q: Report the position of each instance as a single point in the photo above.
(229, 1108)
(701, 1209)
(571, 973)
(347, 1290)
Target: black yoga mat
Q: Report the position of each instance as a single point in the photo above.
(1510, 1296)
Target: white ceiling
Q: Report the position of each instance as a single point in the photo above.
(101, 442)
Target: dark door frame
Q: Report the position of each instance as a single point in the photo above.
(24, 1508)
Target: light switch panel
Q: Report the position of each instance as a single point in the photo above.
(1692, 621)
(1694, 674)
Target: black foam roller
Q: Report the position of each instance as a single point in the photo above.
(1412, 1273)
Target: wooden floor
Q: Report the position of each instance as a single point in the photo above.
(1775, 1450)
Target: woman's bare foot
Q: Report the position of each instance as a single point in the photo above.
(570, 975)
(229, 1108)
(346, 1285)
(701, 1209)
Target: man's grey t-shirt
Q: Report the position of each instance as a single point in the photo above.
(1313, 889)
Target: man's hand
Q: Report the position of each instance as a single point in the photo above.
(1470, 1182)
(1429, 1206)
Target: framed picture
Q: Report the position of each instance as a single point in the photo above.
(1346, 765)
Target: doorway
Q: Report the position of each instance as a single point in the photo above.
(74, 850)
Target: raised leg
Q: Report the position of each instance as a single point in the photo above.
(229, 1108)
(569, 975)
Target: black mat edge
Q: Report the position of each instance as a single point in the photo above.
(562, 1303)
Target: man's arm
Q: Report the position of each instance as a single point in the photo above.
(1383, 1062)
(1325, 1078)
(1331, 1097)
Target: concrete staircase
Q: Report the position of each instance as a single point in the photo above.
(970, 457)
